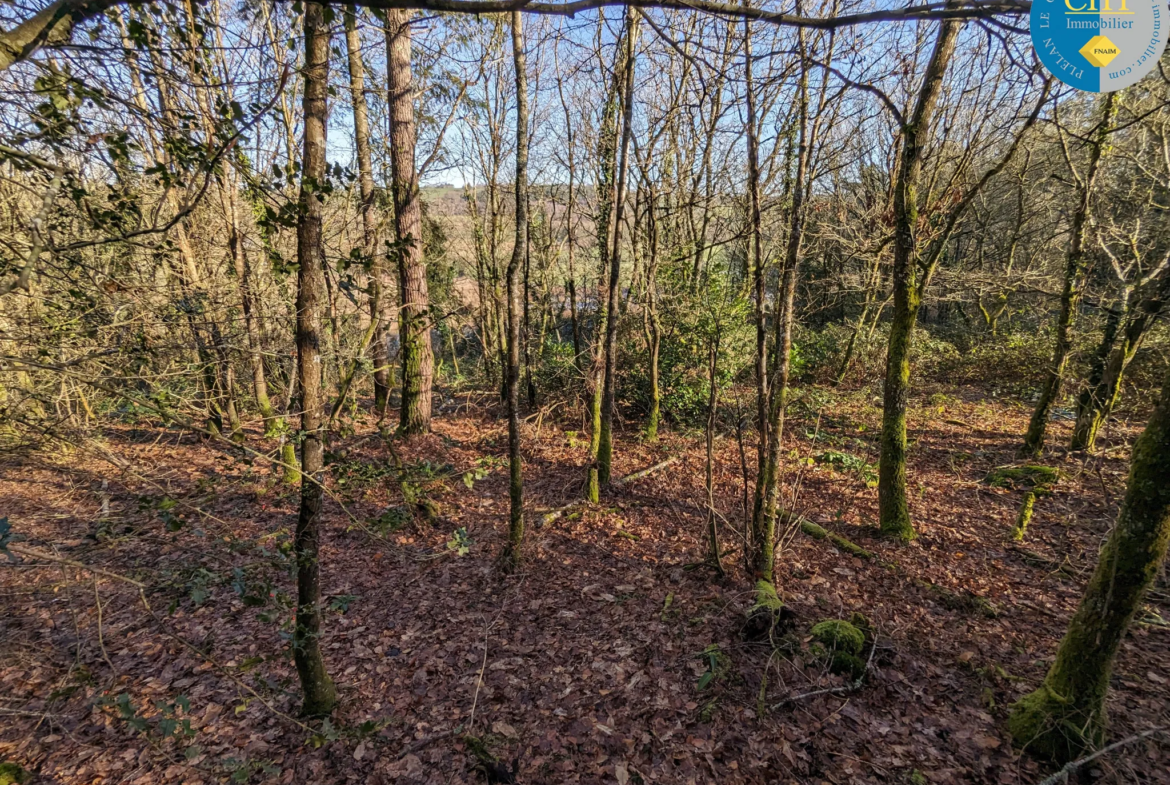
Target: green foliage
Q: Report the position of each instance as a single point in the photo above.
(13, 774)
(460, 542)
(557, 373)
(357, 474)
(483, 467)
(240, 770)
(718, 665)
(391, 520)
(7, 537)
(169, 720)
(868, 472)
(691, 321)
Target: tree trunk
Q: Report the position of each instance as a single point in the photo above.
(605, 441)
(1070, 297)
(652, 323)
(755, 252)
(519, 255)
(1066, 714)
(607, 195)
(893, 506)
(371, 245)
(1099, 399)
(414, 318)
(570, 239)
(767, 485)
(319, 693)
(712, 409)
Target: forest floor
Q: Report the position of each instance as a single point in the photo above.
(612, 656)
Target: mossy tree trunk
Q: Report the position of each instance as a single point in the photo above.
(894, 509)
(607, 145)
(514, 291)
(1066, 714)
(913, 269)
(1074, 272)
(1097, 400)
(604, 462)
(758, 262)
(418, 360)
(318, 690)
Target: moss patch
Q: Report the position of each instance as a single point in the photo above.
(12, 774)
(1027, 476)
(839, 636)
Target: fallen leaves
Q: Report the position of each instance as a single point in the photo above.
(591, 667)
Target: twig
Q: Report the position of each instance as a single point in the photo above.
(1068, 768)
(32, 554)
(844, 688)
(97, 599)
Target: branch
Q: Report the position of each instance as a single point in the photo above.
(54, 26)
(24, 277)
(1062, 775)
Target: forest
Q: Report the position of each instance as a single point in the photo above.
(663, 391)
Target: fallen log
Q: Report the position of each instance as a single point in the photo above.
(644, 472)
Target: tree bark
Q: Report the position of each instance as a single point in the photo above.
(767, 485)
(1101, 395)
(1070, 297)
(519, 256)
(652, 324)
(756, 252)
(893, 506)
(319, 693)
(1067, 714)
(605, 440)
(418, 361)
(371, 244)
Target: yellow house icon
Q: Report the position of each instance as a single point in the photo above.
(1100, 51)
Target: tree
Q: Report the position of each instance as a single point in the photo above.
(604, 463)
(914, 265)
(317, 688)
(1066, 714)
(371, 241)
(418, 361)
(909, 281)
(519, 253)
(1074, 272)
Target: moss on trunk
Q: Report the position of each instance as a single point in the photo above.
(842, 544)
(1066, 715)
(893, 506)
(1025, 517)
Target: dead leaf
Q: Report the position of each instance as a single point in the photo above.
(504, 729)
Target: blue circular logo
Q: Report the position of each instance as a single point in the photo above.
(1099, 45)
